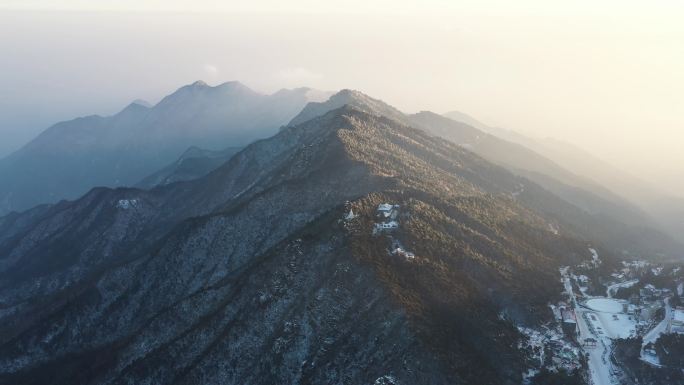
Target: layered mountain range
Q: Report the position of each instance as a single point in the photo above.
(271, 268)
(69, 158)
(665, 210)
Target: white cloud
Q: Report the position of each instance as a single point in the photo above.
(210, 69)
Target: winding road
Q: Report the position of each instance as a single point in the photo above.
(599, 357)
(654, 333)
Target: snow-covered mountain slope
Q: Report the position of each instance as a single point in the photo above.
(255, 273)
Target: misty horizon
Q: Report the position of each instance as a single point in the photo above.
(13, 145)
(601, 84)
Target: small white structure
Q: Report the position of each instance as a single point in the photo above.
(677, 321)
(387, 225)
(350, 215)
(554, 229)
(409, 256)
(385, 209)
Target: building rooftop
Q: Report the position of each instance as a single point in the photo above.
(679, 314)
(385, 207)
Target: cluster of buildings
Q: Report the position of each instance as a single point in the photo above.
(648, 300)
(645, 305)
(562, 352)
(387, 215)
(650, 293)
(631, 270)
(646, 312)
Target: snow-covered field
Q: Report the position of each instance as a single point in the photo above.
(610, 321)
(607, 305)
(618, 325)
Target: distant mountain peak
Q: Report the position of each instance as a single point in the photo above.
(199, 83)
(429, 113)
(135, 107)
(348, 97)
(142, 102)
(467, 119)
(201, 89)
(349, 93)
(229, 85)
(234, 85)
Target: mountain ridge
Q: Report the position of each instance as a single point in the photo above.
(663, 208)
(69, 158)
(579, 191)
(193, 281)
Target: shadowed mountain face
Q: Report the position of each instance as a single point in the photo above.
(194, 163)
(71, 157)
(250, 275)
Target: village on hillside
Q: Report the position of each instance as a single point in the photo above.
(637, 301)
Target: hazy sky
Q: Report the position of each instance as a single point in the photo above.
(607, 75)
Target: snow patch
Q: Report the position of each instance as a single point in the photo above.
(126, 204)
(607, 305)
